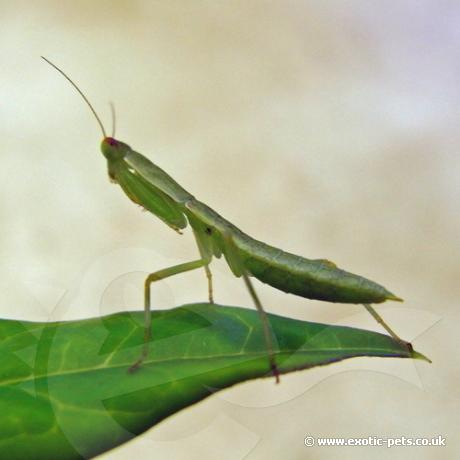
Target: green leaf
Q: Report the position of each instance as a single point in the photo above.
(65, 391)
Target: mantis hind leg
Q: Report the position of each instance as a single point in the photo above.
(157, 276)
(265, 325)
(236, 265)
(380, 320)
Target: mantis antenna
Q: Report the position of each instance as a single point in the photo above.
(81, 94)
(114, 118)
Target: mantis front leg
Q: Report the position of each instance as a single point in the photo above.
(157, 276)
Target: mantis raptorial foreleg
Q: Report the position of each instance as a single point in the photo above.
(157, 276)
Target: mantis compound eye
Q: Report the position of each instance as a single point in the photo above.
(111, 141)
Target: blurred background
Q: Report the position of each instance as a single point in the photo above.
(327, 128)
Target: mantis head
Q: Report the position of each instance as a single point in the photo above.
(112, 149)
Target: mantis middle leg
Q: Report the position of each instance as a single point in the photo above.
(205, 254)
(209, 277)
(157, 276)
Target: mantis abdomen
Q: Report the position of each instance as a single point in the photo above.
(314, 279)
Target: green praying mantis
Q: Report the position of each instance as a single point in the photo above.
(149, 186)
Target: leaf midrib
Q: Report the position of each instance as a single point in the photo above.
(354, 351)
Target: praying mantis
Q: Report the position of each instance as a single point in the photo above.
(149, 186)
